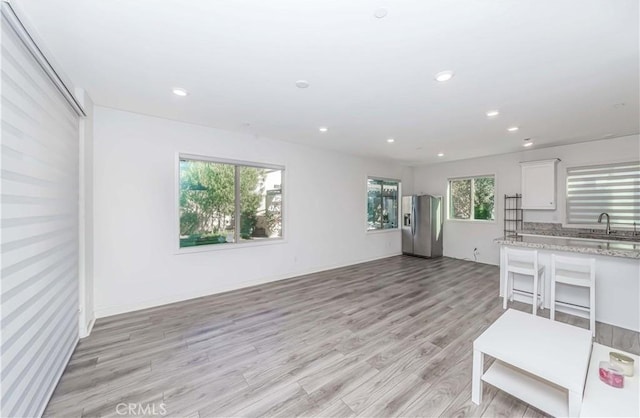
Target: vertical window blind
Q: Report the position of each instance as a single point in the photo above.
(610, 188)
(39, 227)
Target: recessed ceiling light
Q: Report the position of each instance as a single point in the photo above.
(492, 113)
(444, 76)
(513, 129)
(527, 142)
(180, 92)
(441, 154)
(390, 140)
(323, 129)
(380, 13)
(302, 84)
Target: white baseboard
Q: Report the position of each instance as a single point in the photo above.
(488, 263)
(90, 325)
(105, 311)
(85, 329)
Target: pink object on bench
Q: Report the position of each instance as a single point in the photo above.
(610, 375)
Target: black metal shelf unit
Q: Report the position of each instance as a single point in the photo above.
(513, 215)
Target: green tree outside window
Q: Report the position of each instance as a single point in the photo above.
(472, 198)
(208, 201)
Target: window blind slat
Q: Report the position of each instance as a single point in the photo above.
(607, 191)
(606, 169)
(610, 188)
(604, 197)
(602, 207)
(592, 184)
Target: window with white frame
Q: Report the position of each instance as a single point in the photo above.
(610, 188)
(382, 203)
(472, 198)
(225, 202)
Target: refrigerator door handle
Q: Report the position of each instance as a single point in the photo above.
(413, 216)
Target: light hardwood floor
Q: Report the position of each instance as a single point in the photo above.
(380, 339)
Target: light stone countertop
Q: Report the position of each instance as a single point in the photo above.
(625, 249)
(567, 233)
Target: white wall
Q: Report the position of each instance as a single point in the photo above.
(461, 237)
(136, 264)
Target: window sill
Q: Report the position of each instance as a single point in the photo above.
(382, 231)
(229, 246)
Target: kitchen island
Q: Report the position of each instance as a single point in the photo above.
(617, 275)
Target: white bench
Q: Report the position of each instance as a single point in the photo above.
(542, 362)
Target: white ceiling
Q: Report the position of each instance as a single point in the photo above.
(556, 68)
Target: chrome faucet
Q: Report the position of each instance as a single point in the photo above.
(608, 230)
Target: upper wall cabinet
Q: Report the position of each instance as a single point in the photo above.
(539, 184)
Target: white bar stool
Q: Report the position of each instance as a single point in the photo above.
(574, 271)
(523, 262)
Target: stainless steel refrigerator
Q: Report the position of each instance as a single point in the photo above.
(422, 225)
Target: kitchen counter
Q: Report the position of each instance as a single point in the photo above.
(625, 249)
(617, 275)
(584, 234)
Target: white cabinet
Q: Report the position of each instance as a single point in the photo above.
(539, 184)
